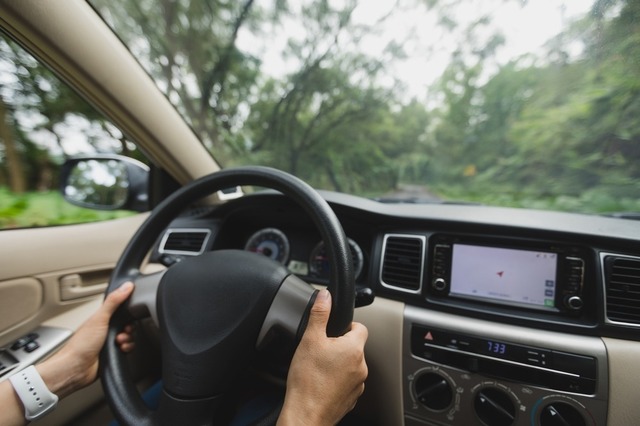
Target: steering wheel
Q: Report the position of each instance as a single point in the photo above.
(215, 309)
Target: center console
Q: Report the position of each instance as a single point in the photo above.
(462, 371)
(540, 276)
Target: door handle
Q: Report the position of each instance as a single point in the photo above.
(71, 287)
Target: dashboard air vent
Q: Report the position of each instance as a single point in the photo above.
(403, 262)
(184, 241)
(622, 284)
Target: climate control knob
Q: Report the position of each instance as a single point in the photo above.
(433, 391)
(561, 414)
(494, 407)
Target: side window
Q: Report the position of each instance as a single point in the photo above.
(42, 123)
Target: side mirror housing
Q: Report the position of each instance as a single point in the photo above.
(106, 182)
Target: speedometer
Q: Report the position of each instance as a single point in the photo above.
(270, 242)
(320, 266)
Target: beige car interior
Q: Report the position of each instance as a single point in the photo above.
(55, 277)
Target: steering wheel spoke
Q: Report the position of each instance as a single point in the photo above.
(142, 303)
(289, 311)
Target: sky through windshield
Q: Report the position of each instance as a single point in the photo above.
(527, 27)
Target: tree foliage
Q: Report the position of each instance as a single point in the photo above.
(564, 127)
(39, 122)
(554, 130)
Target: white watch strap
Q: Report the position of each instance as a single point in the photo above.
(37, 399)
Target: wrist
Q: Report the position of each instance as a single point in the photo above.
(298, 414)
(34, 394)
(60, 376)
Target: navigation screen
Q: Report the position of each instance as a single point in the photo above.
(517, 277)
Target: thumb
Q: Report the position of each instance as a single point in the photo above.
(320, 311)
(116, 297)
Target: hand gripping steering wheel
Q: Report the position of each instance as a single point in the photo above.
(214, 309)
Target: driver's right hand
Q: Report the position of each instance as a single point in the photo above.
(327, 374)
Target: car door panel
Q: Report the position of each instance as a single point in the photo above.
(54, 277)
(66, 262)
(19, 299)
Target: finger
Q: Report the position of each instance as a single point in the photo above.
(319, 315)
(127, 347)
(124, 338)
(128, 330)
(116, 297)
(125, 342)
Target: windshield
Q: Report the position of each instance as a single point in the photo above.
(503, 102)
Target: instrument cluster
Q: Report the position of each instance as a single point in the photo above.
(275, 244)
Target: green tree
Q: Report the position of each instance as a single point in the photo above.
(578, 133)
(36, 108)
(464, 109)
(315, 122)
(190, 49)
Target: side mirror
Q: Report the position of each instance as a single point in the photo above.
(106, 182)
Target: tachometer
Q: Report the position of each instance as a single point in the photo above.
(319, 265)
(270, 242)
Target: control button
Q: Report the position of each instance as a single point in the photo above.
(20, 343)
(473, 365)
(575, 263)
(439, 284)
(31, 346)
(574, 302)
(168, 260)
(537, 358)
(427, 354)
(464, 344)
(23, 341)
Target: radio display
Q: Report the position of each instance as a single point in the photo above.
(504, 275)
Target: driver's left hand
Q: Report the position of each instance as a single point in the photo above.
(76, 364)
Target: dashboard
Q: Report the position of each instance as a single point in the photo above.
(506, 313)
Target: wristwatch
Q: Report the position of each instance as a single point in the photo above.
(37, 399)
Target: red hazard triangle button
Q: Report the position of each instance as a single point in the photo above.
(428, 336)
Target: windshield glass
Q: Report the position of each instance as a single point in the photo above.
(529, 103)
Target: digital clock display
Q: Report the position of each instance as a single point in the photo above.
(496, 348)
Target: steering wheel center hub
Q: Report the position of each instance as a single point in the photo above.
(211, 309)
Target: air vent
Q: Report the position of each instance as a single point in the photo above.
(403, 262)
(184, 241)
(622, 285)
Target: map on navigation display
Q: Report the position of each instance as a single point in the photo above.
(508, 275)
